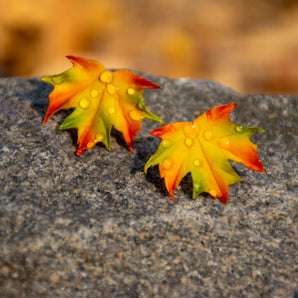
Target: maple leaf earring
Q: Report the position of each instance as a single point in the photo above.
(102, 99)
(203, 148)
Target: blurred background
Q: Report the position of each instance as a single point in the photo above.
(248, 45)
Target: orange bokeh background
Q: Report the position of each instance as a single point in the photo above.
(248, 45)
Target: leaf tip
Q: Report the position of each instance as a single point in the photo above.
(172, 196)
(159, 120)
(79, 151)
(224, 199)
(219, 112)
(47, 116)
(46, 79)
(261, 129)
(73, 59)
(147, 166)
(259, 167)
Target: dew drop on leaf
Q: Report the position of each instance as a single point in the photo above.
(111, 110)
(111, 89)
(135, 115)
(188, 142)
(224, 143)
(99, 137)
(131, 91)
(196, 186)
(106, 77)
(90, 144)
(84, 103)
(196, 163)
(166, 143)
(239, 128)
(94, 93)
(213, 193)
(208, 135)
(167, 164)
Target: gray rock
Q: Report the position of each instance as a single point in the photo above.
(95, 225)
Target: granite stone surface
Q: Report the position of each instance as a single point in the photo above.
(97, 226)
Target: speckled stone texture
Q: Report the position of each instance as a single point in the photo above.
(96, 226)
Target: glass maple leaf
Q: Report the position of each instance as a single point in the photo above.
(204, 148)
(101, 100)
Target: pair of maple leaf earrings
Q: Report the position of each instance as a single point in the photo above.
(103, 99)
